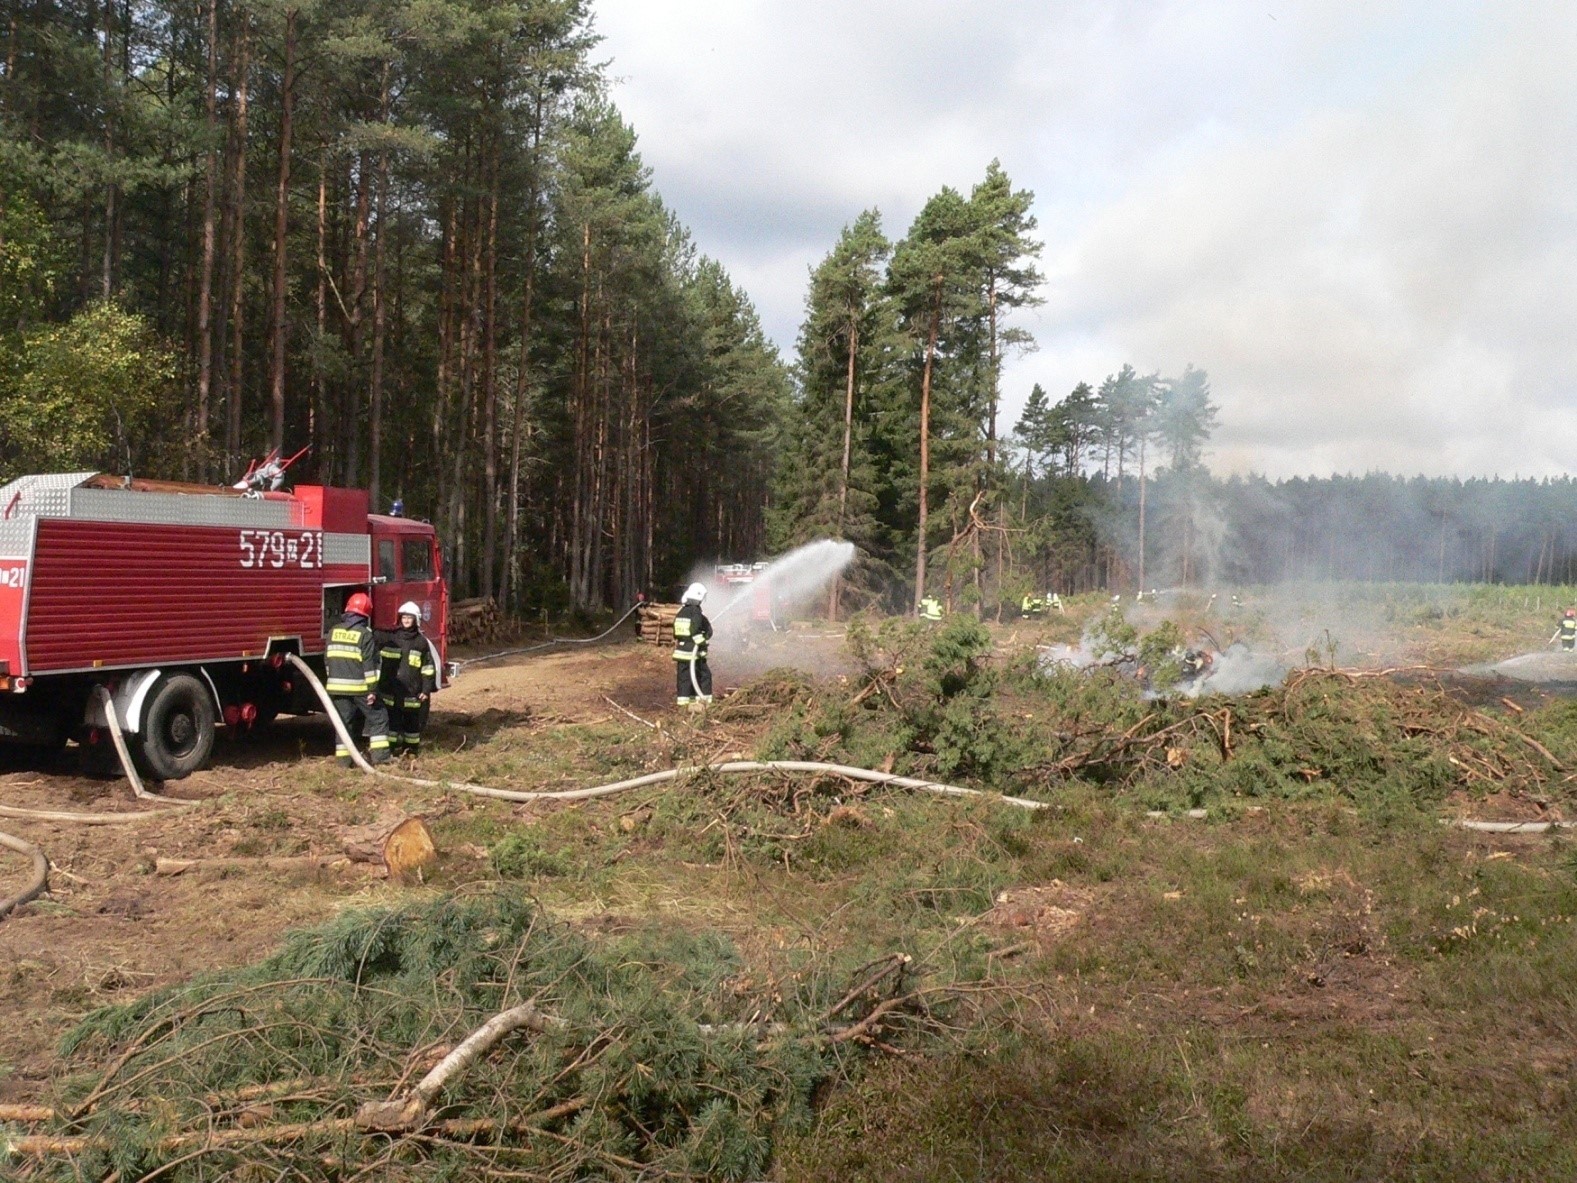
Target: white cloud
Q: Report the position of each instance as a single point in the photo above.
(1357, 217)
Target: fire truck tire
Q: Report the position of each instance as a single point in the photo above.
(178, 727)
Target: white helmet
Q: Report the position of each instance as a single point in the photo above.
(409, 608)
(695, 593)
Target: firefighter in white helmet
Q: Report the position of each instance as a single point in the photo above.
(407, 677)
(692, 632)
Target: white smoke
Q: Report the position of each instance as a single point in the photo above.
(788, 587)
(1237, 671)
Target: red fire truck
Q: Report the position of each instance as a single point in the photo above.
(182, 601)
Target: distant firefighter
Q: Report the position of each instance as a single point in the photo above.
(930, 608)
(692, 634)
(1567, 630)
(1033, 605)
(1196, 664)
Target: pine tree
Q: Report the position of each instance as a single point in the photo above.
(934, 280)
(839, 360)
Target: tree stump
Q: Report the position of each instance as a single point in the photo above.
(401, 845)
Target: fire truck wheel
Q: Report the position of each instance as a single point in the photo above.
(178, 727)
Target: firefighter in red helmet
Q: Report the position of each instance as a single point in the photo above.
(352, 665)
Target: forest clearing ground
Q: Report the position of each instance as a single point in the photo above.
(1153, 965)
(110, 929)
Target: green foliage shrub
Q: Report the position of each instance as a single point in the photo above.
(94, 393)
(927, 702)
(523, 855)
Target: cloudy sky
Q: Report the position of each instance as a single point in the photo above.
(1359, 217)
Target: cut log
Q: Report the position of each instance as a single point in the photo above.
(657, 623)
(282, 862)
(402, 845)
(474, 622)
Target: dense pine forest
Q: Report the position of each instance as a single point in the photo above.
(416, 238)
(413, 236)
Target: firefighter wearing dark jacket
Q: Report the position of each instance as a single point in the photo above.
(1567, 630)
(351, 663)
(692, 632)
(408, 678)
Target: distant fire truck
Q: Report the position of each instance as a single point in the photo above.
(183, 600)
(745, 579)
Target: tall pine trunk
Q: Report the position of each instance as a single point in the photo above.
(834, 596)
(205, 282)
(490, 381)
(356, 319)
(322, 420)
(281, 227)
(925, 437)
(238, 249)
(111, 190)
(379, 312)
(508, 580)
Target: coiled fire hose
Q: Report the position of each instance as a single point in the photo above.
(732, 766)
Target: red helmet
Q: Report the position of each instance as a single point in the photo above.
(1571, 612)
(360, 603)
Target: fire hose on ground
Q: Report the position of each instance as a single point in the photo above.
(127, 766)
(806, 766)
(732, 766)
(550, 642)
(40, 878)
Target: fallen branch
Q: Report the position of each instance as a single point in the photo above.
(290, 862)
(895, 962)
(410, 1112)
(85, 819)
(54, 1145)
(630, 713)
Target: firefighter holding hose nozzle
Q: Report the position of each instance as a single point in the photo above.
(1566, 631)
(692, 633)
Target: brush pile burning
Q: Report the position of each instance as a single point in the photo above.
(939, 704)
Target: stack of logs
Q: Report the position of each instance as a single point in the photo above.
(476, 622)
(657, 623)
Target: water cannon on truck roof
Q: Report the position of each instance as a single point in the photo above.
(183, 601)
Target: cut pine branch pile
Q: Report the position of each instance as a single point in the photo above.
(450, 1033)
(933, 705)
(1346, 727)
